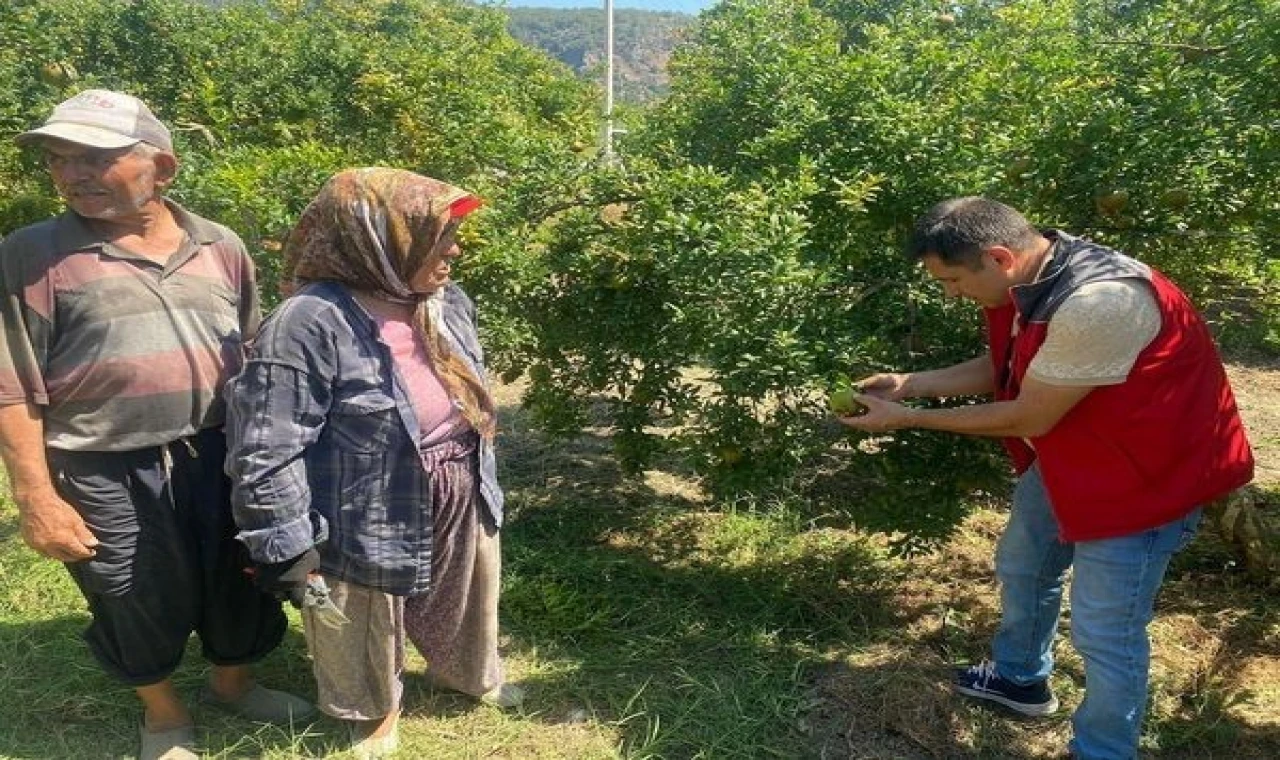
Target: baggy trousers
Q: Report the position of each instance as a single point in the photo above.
(167, 562)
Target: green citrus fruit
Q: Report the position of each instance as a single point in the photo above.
(1111, 203)
(842, 403)
(729, 454)
(1176, 198)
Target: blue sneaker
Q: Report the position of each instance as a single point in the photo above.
(982, 681)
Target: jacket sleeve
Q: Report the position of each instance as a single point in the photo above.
(276, 409)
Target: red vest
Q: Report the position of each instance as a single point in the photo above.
(1139, 454)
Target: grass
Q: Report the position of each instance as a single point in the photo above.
(647, 622)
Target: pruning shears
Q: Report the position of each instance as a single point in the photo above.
(316, 599)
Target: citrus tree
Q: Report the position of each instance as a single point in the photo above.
(267, 99)
(746, 260)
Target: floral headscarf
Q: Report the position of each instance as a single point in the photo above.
(372, 229)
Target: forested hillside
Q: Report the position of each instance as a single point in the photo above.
(643, 41)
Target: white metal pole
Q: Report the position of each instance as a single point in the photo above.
(607, 151)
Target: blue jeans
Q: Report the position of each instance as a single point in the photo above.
(1112, 601)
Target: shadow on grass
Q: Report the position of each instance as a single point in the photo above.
(689, 630)
(57, 703)
(695, 637)
(692, 631)
(1243, 618)
(900, 707)
(896, 691)
(1218, 736)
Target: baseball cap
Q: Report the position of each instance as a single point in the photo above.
(102, 119)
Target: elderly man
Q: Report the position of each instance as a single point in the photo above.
(123, 318)
(1111, 398)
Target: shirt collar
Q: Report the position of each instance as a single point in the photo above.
(73, 233)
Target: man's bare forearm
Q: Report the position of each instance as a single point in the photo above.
(972, 378)
(50, 525)
(22, 447)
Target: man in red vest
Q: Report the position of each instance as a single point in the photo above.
(1114, 405)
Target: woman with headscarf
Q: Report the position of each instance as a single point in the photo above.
(361, 450)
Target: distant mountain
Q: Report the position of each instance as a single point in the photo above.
(642, 39)
(642, 44)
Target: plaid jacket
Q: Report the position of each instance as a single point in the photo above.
(322, 443)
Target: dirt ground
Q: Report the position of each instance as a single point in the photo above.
(1257, 390)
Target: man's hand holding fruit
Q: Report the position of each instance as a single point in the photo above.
(870, 404)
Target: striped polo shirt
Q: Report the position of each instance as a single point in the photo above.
(121, 352)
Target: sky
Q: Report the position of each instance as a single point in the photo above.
(684, 6)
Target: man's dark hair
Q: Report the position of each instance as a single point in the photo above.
(957, 231)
